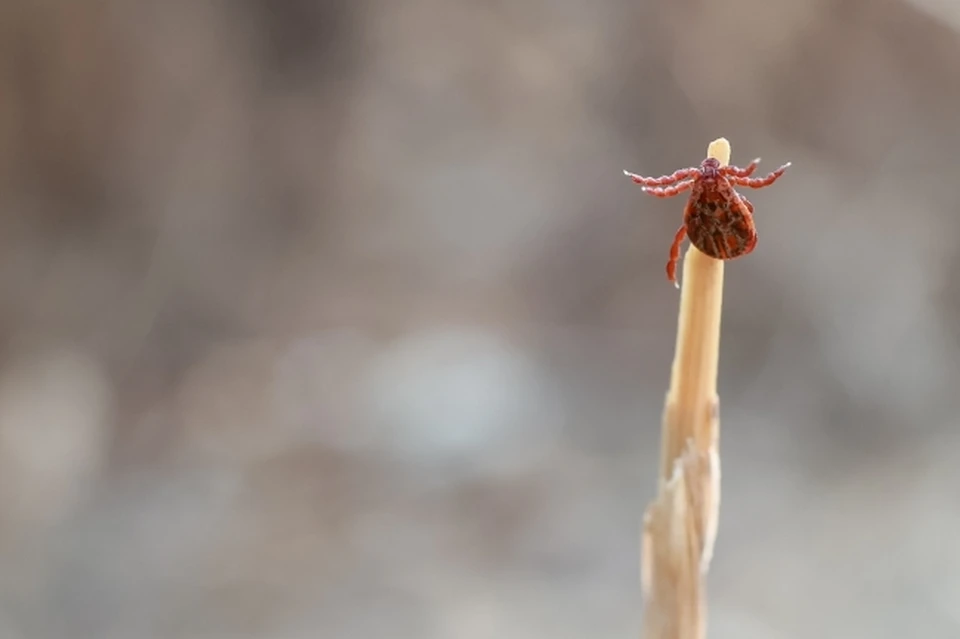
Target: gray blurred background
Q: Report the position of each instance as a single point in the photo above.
(338, 319)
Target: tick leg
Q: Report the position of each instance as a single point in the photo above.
(682, 174)
(747, 203)
(736, 171)
(669, 191)
(757, 183)
(675, 255)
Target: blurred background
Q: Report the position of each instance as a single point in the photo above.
(338, 318)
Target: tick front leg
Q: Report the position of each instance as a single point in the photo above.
(665, 180)
(736, 171)
(747, 203)
(669, 191)
(757, 183)
(675, 255)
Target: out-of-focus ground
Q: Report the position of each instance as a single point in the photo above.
(339, 320)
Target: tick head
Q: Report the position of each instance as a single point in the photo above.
(710, 168)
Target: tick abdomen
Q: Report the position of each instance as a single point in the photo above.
(721, 245)
(720, 232)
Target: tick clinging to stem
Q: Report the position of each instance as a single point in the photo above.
(717, 219)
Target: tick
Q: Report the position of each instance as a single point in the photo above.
(717, 219)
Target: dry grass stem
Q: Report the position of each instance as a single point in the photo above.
(680, 526)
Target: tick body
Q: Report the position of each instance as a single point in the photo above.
(717, 219)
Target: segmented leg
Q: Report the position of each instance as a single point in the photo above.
(746, 171)
(675, 255)
(748, 203)
(757, 183)
(669, 191)
(682, 174)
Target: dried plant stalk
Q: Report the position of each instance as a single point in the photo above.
(680, 526)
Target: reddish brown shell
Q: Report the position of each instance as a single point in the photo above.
(718, 220)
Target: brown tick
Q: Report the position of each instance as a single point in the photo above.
(717, 219)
